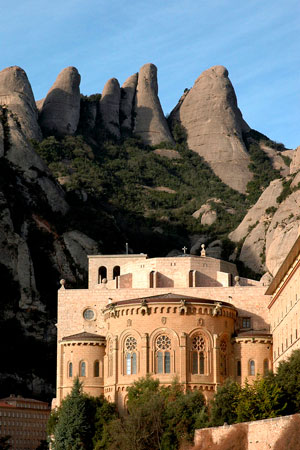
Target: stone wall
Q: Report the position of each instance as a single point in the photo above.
(262, 434)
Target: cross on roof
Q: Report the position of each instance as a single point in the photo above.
(184, 249)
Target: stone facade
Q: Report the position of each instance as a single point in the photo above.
(261, 434)
(188, 316)
(285, 306)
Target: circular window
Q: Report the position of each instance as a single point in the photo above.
(131, 344)
(88, 314)
(199, 343)
(163, 342)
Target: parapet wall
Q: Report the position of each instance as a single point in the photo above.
(262, 434)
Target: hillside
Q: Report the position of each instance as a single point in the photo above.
(82, 175)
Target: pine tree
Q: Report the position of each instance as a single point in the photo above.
(73, 430)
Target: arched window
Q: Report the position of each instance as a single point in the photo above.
(151, 279)
(116, 272)
(191, 272)
(199, 349)
(70, 370)
(163, 355)
(251, 367)
(82, 369)
(130, 356)
(96, 369)
(266, 366)
(102, 274)
(223, 358)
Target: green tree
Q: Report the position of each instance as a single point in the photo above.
(288, 378)
(158, 417)
(73, 429)
(224, 404)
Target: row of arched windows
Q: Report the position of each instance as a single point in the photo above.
(83, 369)
(102, 273)
(199, 355)
(251, 368)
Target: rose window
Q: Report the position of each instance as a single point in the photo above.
(199, 343)
(163, 342)
(130, 344)
(223, 346)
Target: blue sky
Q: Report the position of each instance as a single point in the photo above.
(257, 40)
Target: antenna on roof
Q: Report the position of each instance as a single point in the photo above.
(126, 248)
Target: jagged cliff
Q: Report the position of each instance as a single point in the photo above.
(81, 175)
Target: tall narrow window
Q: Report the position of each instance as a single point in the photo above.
(167, 362)
(191, 278)
(251, 367)
(96, 369)
(130, 356)
(116, 272)
(198, 354)
(163, 355)
(102, 274)
(160, 363)
(238, 368)
(151, 279)
(70, 372)
(82, 370)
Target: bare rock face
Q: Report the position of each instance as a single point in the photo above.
(16, 94)
(150, 122)
(79, 245)
(295, 164)
(214, 126)
(110, 106)
(61, 107)
(20, 153)
(127, 101)
(39, 105)
(258, 212)
(207, 213)
(282, 232)
(270, 228)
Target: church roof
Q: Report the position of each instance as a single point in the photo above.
(161, 298)
(84, 336)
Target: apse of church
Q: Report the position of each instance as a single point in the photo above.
(189, 317)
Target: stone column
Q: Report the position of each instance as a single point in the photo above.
(144, 360)
(216, 365)
(59, 375)
(115, 366)
(183, 359)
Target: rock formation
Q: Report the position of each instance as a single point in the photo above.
(214, 126)
(127, 101)
(20, 153)
(269, 229)
(258, 211)
(61, 108)
(150, 122)
(295, 164)
(110, 106)
(16, 95)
